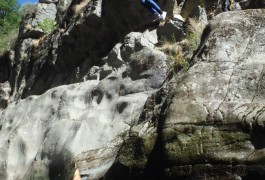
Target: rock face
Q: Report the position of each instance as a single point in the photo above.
(32, 26)
(85, 33)
(52, 130)
(97, 94)
(218, 107)
(77, 125)
(214, 123)
(48, 131)
(214, 7)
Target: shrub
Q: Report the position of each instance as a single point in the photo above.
(9, 23)
(175, 54)
(47, 25)
(8, 41)
(195, 29)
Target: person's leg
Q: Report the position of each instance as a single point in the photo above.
(154, 11)
(154, 6)
(230, 5)
(146, 5)
(225, 5)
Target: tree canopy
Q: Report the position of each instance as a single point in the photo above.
(9, 20)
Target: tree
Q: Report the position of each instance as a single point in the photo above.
(9, 20)
(9, 14)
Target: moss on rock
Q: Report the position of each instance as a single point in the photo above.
(186, 144)
(136, 150)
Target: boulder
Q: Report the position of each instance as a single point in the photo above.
(173, 30)
(97, 95)
(210, 119)
(218, 104)
(199, 14)
(82, 124)
(51, 131)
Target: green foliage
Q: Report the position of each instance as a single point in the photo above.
(179, 61)
(8, 8)
(194, 40)
(8, 41)
(47, 25)
(9, 22)
(181, 64)
(195, 29)
(174, 53)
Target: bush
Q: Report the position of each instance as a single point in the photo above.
(175, 54)
(47, 25)
(195, 29)
(9, 22)
(8, 41)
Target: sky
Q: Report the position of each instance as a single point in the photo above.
(27, 1)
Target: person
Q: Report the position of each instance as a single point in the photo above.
(154, 8)
(227, 5)
(77, 175)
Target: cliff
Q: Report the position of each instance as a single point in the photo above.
(97, 85)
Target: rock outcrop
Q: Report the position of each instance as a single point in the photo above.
(217, 111)
(87, 86)
(211, 123)
(44, 135)
(48, 131)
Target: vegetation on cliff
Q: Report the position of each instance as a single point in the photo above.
(11, 13)
(9, 22)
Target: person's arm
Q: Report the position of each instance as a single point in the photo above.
(77, 175)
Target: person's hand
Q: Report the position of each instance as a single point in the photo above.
(77, 175)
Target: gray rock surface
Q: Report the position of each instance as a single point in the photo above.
(173, 30)
(199, 14)
(99, 95)
(210, 124)
(54, 127)
(83, 124)
(219, 104)
(66, 55)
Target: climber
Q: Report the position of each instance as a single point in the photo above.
(227, 5)
(77, 175)
(154, 8)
